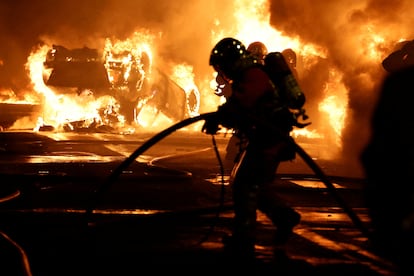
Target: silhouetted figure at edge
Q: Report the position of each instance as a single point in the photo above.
(256, 113)
(401, 58)
(388, 161)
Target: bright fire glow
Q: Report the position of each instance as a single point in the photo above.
(335, 105)
(350, 60)
(184, 77)
(59, 110)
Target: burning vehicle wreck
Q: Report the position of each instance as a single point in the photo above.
(127, 76)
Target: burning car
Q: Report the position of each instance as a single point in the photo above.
(127, 76)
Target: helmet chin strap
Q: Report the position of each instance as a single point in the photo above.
(223, 87)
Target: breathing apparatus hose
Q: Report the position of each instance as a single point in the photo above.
(161, 135)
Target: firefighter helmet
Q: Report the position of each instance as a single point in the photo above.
(226, 54)
(258, 49)
(290, 56)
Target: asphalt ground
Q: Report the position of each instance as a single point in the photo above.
(169, 216)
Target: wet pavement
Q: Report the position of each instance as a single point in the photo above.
(168, 212)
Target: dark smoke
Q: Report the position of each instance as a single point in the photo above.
(345, 29)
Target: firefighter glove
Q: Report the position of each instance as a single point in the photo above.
(211, 125)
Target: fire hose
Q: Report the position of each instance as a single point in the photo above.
(205, 116)
(140, 150)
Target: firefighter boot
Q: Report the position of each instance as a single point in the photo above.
(239, 249)
(284, 229)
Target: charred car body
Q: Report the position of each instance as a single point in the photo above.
(129, 78)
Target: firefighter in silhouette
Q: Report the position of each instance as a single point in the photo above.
(259, 50)
(259, 118)
(387, 160)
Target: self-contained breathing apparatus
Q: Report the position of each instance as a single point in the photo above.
(284, 107)
(277, 113)
(288, 88)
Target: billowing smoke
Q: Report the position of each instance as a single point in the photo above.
(355, 35)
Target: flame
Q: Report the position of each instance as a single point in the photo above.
(335, 105)
(60, 109)
(358, 54)
(253, 24)
(135, 46)
(183, 75)
(9, 96)
(120, 58)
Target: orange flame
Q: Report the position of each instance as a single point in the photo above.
(59, 109)
(250, 21)
(253, 24)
